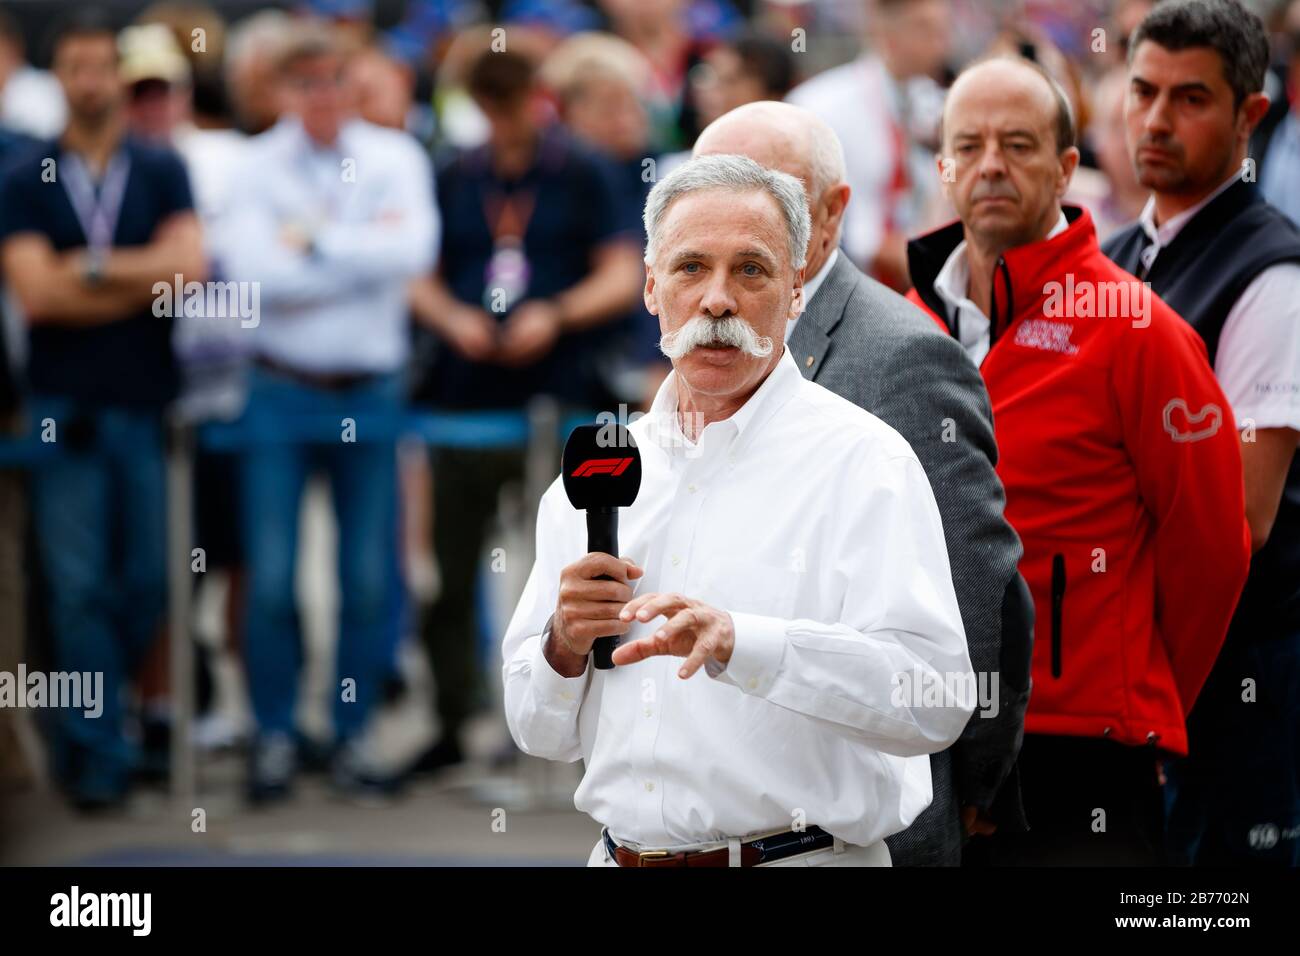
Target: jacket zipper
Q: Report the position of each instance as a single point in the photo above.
(1058, 599)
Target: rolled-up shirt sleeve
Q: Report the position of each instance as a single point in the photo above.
(893, 671)
(541, 705)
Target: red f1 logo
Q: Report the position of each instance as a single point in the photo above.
(601, 466)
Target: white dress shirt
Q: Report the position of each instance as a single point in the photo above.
(368, 204)
(810, 289)
(1258, 361)
(952, 284)
(812, 523)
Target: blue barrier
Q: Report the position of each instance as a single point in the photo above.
(483, 430)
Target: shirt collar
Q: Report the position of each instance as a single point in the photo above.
(810, 289)
(780, 384)
(294, 130)
(1164, 234)
(953, 279)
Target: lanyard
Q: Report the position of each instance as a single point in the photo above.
(97, 215)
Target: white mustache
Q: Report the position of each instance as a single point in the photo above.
(732, 330)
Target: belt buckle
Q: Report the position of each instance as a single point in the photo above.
(644, 855)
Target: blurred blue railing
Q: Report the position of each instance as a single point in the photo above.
(539, 431)
(441, 429)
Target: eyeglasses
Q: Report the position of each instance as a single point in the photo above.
(308, 83)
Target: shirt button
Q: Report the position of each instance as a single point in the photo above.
(753, 683)
(565, 695)
(676, 560)
(691, 488)
(649, 712)
(649, 786)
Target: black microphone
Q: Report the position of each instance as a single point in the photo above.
(602, 473)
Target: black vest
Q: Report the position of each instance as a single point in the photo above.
(1201, 274)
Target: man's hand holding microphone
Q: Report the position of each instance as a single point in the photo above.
(588, 608)
(591, 605)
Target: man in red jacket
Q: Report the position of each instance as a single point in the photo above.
(1120, 461)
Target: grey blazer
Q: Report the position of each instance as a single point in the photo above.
(871, 346)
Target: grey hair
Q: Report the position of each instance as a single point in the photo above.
(262, 34)
(735, 174)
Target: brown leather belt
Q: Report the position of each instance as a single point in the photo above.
(766, 849)
(328, 381)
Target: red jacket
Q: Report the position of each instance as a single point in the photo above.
(1123, 477)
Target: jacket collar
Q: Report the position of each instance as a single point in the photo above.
(1022, 274)
(812, 333)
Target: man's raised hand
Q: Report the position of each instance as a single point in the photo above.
(694, 631)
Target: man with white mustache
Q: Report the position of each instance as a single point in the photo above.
(785, 542)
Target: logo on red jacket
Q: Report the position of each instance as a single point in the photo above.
(1046, 335)
(1182, 425)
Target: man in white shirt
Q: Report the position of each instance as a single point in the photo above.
(333, 219)
(869, 345)
(790, 543)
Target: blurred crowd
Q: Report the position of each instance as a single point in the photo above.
(308, 223)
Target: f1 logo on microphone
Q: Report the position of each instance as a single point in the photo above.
(601, 466)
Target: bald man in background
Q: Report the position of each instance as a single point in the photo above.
(871, 346)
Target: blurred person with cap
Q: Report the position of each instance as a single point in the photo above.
(868, 344)
(537, 264)
(159, 91)
(333, 218)
(157, 78)
(784, 542)
(1213, 248)
(212, 349)
(1112, 438)
(83, 255)
(199, 32)
(884, 107)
